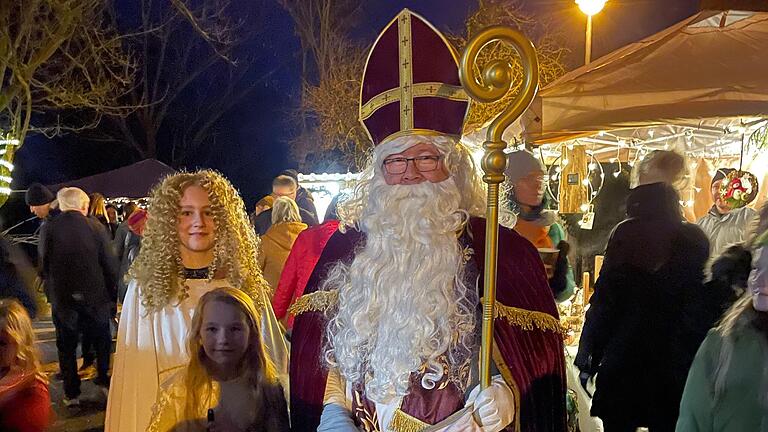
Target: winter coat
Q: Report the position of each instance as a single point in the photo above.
(17, 277)
(725, 230)
(276, 244)
(304, 201)
(743, 405)
(641, 330)
(78, 261)
(298, 267)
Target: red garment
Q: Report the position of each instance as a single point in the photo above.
(299, 265)
(531, 359)
(25, 407)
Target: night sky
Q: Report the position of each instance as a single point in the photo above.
(251, 148)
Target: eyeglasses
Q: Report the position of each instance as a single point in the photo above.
(399, 165)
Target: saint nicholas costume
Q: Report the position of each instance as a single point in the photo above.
(411, 87)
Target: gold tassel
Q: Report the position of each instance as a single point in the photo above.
(527, 319)
(318, 301)
(402, 422)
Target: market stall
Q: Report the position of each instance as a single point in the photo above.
(698, 87)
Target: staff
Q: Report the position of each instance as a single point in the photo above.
(496, 82)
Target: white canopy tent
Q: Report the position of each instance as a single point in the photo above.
(709, 67)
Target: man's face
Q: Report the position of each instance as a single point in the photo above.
(419, 163)
(196, 226)
(41, 211)
(284, 191)
(720, 204)
(529, 190)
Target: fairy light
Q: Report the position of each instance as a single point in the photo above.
(6, 164)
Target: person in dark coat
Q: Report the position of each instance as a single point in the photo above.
(121, 245)
(17, 277)
(80, 273)
(640, 334)
(303, 197)
(283, 186)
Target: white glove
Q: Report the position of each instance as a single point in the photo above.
(494, 407)
(465, 423)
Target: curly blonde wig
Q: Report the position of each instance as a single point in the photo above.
(158, 268)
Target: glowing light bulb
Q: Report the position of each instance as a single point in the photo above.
(592, 166)
(565, 162)
(585, 182)
(584, 208)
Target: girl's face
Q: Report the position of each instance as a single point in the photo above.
(225, 334)
(8, 350)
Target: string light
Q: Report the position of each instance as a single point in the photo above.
(6, 164)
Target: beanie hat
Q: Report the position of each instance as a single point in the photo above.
(292, 173)
(38, 195)
(522, 163)
(721, 174)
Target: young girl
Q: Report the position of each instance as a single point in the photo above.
(229, 384)
(25, 405)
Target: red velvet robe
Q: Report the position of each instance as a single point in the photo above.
(530, 359)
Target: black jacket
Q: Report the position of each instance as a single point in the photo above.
(304, 201)
(641, 331)
(78, 261)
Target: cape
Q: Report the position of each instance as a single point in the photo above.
(528, 348)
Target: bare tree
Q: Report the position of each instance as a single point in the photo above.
(332, 65)
(548, 48)
(194, 67)
(56, 56)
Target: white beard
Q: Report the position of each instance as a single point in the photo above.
(402, 301)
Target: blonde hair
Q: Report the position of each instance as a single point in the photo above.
(285, 210)
(255, 365)
(158, 268)
(456, 158)
(72, 198)
(15, 321)
(98, 206)
(660, 166)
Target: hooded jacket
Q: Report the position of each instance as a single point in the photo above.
(276, 244)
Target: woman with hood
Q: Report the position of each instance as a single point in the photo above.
(276, 244)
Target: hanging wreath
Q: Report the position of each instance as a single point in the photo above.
(739, 188)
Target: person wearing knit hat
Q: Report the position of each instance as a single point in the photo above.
(39, 199)
(525, 193)
(724, 225)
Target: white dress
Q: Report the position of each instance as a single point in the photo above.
(151, 347)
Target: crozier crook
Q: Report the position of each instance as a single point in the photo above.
(496, 82)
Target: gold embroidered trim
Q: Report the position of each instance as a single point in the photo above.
(318, 301)
(402, 422)
(405, 58)
(527, 319)
(501, 365)
(425, 89)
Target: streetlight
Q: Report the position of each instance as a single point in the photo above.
(590, 7)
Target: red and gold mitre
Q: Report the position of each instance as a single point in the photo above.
(411, 83)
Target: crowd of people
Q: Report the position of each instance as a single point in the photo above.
(370, 321)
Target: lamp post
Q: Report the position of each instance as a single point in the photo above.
(589, 7)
